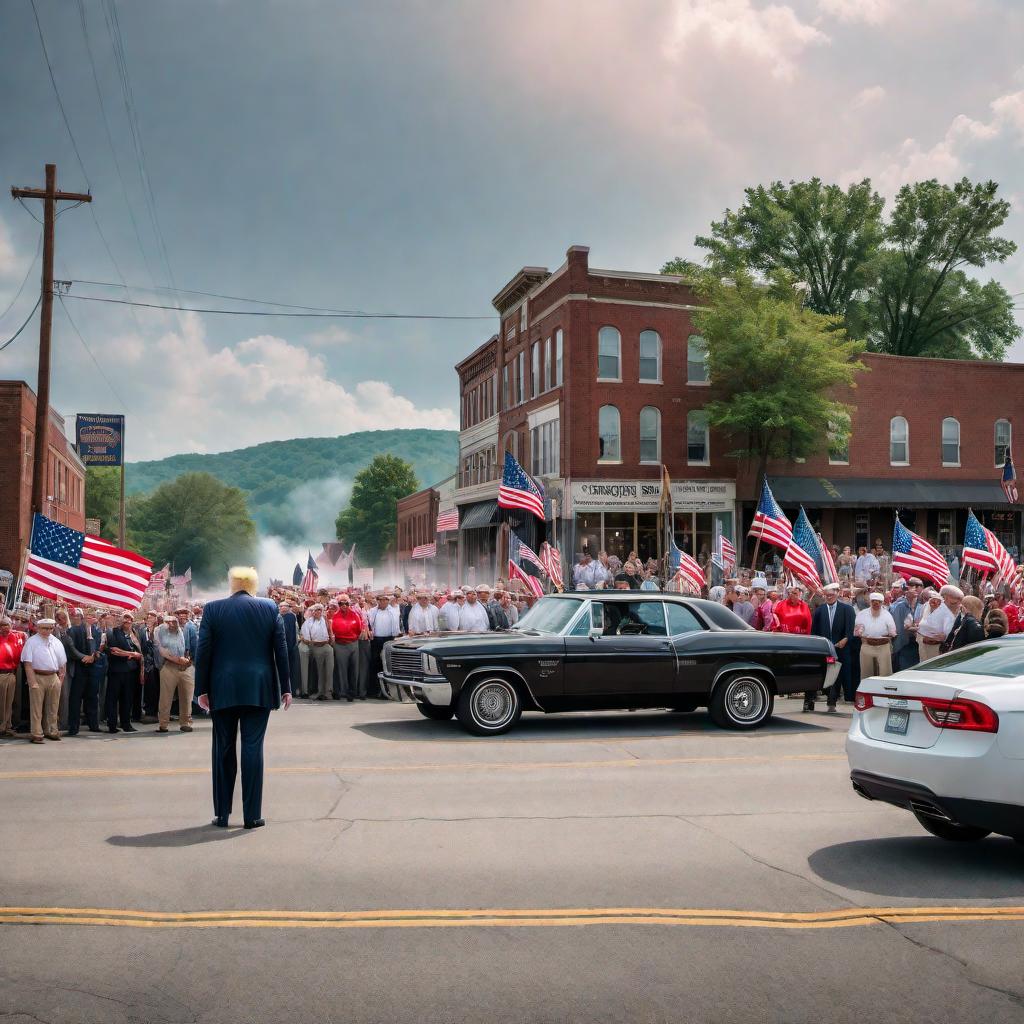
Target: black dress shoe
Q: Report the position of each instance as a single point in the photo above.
(94, 728)
(113, 728)
(221, 821)
(71, 732)
(258, 823)
(128, 728)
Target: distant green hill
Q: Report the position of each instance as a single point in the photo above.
(296, 488)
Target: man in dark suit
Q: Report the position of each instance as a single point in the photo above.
(124, 673)
(241, 676)
(291, 637)
(834, 620)
(89, 639)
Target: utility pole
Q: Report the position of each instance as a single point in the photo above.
(50, 197)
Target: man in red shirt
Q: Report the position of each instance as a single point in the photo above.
(347, 627)
(793, 614)
(11, 644)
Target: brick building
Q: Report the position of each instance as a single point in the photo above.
(417, 522)
(65, 475)
(598, 376)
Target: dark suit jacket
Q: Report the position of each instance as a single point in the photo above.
(117, 637)
(842, 623)
(242, 657)
(80, 640)
(291, 630)
(966, 630)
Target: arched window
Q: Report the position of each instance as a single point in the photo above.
(650, 357)
(899, 442)
(950, 442)
(696, 360)
(698, 447)
(1004, 436)
(609, 448)
(650, 434)
(609, 354)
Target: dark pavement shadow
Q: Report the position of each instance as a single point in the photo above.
(925, 867)
(580, 725)
(193, 836)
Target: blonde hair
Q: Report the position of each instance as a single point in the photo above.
(243, 577)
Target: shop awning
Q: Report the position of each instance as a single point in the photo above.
(846, 492)
(480, 514)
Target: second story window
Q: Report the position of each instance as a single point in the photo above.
(697, 441)
(696, 360)
(899, 442)
(1004, 437)
(650, 357)
(558, 357)
(650, 434)
(505, 396)
(609, 354)
(547, 365)
(535, 370)
(950, 442)
(521, 378)
(609, 448)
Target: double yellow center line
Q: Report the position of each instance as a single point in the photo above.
(852, 917)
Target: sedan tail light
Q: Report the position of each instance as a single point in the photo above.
(863, 701)
(960, 713)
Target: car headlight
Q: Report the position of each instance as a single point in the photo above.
(430, 665)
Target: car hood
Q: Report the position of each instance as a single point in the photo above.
(452, 643)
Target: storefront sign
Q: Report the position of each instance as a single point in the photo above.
(100, 439)
(645, 495)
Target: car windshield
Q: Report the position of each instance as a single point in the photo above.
(1003, 660)
(549, 614)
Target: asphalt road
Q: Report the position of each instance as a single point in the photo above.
(639, 867)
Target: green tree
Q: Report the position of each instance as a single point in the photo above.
(103, 498)
(369, 518)
(774, 365)
(196, 521)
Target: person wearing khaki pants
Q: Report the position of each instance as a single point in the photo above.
(11, 643)
(176, 674)
(45, 662)
(876, 629)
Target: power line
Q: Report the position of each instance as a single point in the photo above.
(23, 326)
(28, 274)
(85, 345)
(260, 312)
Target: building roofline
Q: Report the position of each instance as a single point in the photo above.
(477, 351)
(939, 359)
(521, 283)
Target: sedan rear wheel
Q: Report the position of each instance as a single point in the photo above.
(489, 706)
(435, 713)
(950, 830)
(742, 702)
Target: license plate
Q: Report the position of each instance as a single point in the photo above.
(897, 722)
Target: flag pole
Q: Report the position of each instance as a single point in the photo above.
(21, 579)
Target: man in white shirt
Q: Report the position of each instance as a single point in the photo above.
(385, 624)
(45, 662)
(876, 628)
(473, 616)
(422, 615)
(866, 568)
(451, 612)
(315, 642)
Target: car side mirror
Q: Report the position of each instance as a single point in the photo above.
(595, 632)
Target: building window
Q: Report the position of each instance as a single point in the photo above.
(950, 442)
(899, 442)
(838, 444)
(511, 445)
(608, 434)
(1004, 436)
(650, 434)
(696, 360)
(521, 378)
(544, 442)
(944, 534)
(547, 364)
(650, 357)
(861, 528)
(535, 370)
(504, 386)
(609, 354)
(697, 442)
(523, 315)
(558, 357)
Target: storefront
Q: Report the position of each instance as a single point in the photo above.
(620, 516)
(478, 542)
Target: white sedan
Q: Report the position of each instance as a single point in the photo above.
(945, 740)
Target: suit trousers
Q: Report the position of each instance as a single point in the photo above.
(377, 661)
(120, 693)
(44, 702)
(175, 679)
(364, 666)
(906, 657)
(8, 684)
(226, 725)
(346, 658)
(323, 663)
(875, 660)
(85, 686)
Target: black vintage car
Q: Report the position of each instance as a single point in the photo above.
(588, 652)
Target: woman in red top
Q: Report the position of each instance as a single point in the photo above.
(793, 614)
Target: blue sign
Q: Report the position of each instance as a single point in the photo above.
(100, 439)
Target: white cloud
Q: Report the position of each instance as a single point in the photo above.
(872, 12)
(773, 34)
(868, 97)
(331, 336)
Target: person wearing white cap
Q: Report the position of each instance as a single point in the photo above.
(876, 629)
(45, 662)
(473, 617)
(450, 613)
(422, 615)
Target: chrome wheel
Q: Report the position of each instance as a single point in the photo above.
(742, 702)
(488, 707)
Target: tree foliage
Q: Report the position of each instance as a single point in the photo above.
(370, 516)
(902, 284)
(774, 364)
(196, 521)
(103, 498)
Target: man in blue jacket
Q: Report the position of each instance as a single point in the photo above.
(834, 620)
(241, 676)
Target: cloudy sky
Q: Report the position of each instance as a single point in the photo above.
(410, 156)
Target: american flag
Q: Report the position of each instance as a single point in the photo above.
(828, 563)
(770, 522)
(552, 559)
(65, 563)
(447, 520)
(914, 556)
(520, 552)
(312, 577)
(516, 573)
(984, 551)
(801, 557)
(161, 576)
(685, 568)
(1009, 480)
(425, 550)
(518, 490)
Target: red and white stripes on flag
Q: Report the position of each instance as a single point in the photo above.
(552, 560)
(728, 553)
(425, 550)
(829, 563)
(912, 555)
(689, 572)
(516, 573)
(447, 520)
(64, 563)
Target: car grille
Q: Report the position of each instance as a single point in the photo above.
(401, 662)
